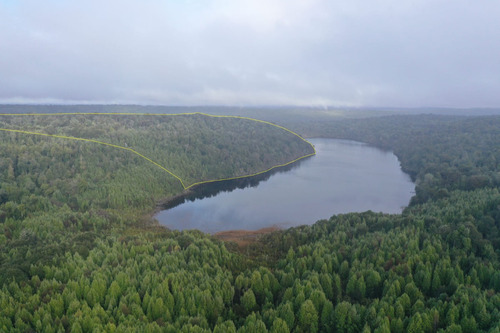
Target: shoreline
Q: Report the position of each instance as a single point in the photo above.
(224, 185)
(244, 238)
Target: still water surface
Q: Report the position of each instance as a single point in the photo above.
(344, 176)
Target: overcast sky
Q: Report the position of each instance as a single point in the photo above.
(399, 53)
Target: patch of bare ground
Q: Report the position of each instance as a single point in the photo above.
(244, 237)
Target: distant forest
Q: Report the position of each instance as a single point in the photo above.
(78, 252)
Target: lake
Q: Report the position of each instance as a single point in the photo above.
(343, 177)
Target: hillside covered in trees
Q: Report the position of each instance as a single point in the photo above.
(78, 255)
(191, 146)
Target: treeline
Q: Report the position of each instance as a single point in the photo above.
(58, 195)
(433, 268)
(355, 272)
(191, 146)
(440, 153)
(101, 268)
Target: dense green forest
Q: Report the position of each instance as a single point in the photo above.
(191, 146)
(63, 191)
(77, 253)
(440, 153)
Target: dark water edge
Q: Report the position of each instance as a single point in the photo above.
(212, 189)
(343, 177)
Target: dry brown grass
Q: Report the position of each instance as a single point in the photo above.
(244, 237)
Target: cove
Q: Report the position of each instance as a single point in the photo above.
(343, 176)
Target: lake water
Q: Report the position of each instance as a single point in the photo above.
(344, 176)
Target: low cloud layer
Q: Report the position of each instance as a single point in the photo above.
(251, 52)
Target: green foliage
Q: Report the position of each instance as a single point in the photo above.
(279, 326)
(308, 317)
(190, 146)
(248, 301)
(440, 153)
(77, 254)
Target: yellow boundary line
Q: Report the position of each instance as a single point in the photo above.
(148, 159)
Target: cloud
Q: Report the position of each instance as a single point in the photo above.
(259, 52)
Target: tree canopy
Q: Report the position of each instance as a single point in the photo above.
(79, 254)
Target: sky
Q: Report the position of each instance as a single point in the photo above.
(379, 53)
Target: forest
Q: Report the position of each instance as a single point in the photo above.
(79, 253)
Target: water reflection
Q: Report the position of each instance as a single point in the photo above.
(209, 190)
(343, 177)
